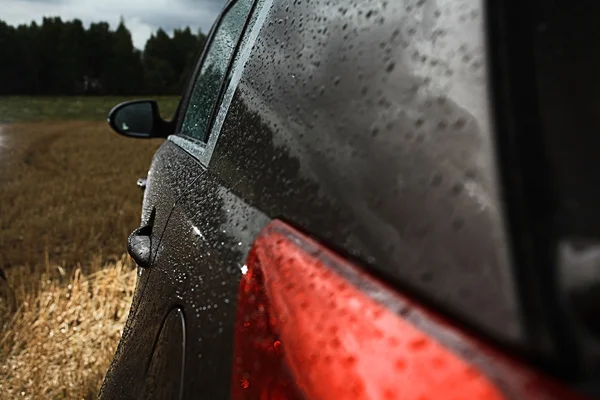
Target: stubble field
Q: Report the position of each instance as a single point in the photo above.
(68, 200)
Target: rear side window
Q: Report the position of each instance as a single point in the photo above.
(205, 92)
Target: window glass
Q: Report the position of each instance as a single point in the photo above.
(205, 92)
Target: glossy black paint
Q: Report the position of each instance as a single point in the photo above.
(370, 126)
(153, 299)
(164, 378)
(527, 175)
(205, 247)
(197, 266)
(567, 86)
(545, 90)
(139, 245)
(372, 132)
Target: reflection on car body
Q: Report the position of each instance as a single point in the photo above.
(365, 137)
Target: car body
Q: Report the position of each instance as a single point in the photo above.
(397, 145)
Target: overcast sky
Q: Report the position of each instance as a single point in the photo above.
(142, 17)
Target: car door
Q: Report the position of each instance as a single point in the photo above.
(312, 130)
(345, 121)
(210, 230)
(154, 351)
(261, 157)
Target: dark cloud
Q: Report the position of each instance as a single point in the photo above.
(198, 14)
(195, 20)
(141, 16)
(217, 3)
(45, 1)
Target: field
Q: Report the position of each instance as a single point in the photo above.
(69, 108)
(68, 200)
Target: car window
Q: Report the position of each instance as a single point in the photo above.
(205, 91)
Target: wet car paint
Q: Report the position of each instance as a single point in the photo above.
(166, 370)
(209, 237)
(364, 339)
(367, 125)
(364, 124)
(567, 87)
(197, 266)
(160, 194)
(153, 296)
(366, 129)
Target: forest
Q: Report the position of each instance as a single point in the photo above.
(60, 57)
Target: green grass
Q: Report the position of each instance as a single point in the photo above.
(65, 108)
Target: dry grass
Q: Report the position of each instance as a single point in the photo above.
(68, 188)
(68, 200)
(59, 342)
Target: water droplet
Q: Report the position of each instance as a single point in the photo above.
(418, 343)
(458, 224)
(400, 364)
(457, 189)
(436, 180)
(460, 123)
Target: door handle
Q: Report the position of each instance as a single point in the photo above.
(139, 245)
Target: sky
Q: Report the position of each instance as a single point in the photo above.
(142, 17)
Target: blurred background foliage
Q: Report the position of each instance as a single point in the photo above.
(60, 57)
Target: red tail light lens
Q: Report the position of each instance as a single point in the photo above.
(304, 331)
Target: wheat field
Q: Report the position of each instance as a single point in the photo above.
(68, 200)
(58, 341)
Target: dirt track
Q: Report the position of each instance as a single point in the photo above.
(68, 187)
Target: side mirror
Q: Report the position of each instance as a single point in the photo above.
(138, 119)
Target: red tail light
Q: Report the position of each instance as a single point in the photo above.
(304, 331)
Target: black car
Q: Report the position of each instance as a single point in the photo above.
(372, 200)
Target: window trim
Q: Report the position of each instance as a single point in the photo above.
(198, 69)
(203, 151)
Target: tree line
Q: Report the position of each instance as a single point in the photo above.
(64, 58)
